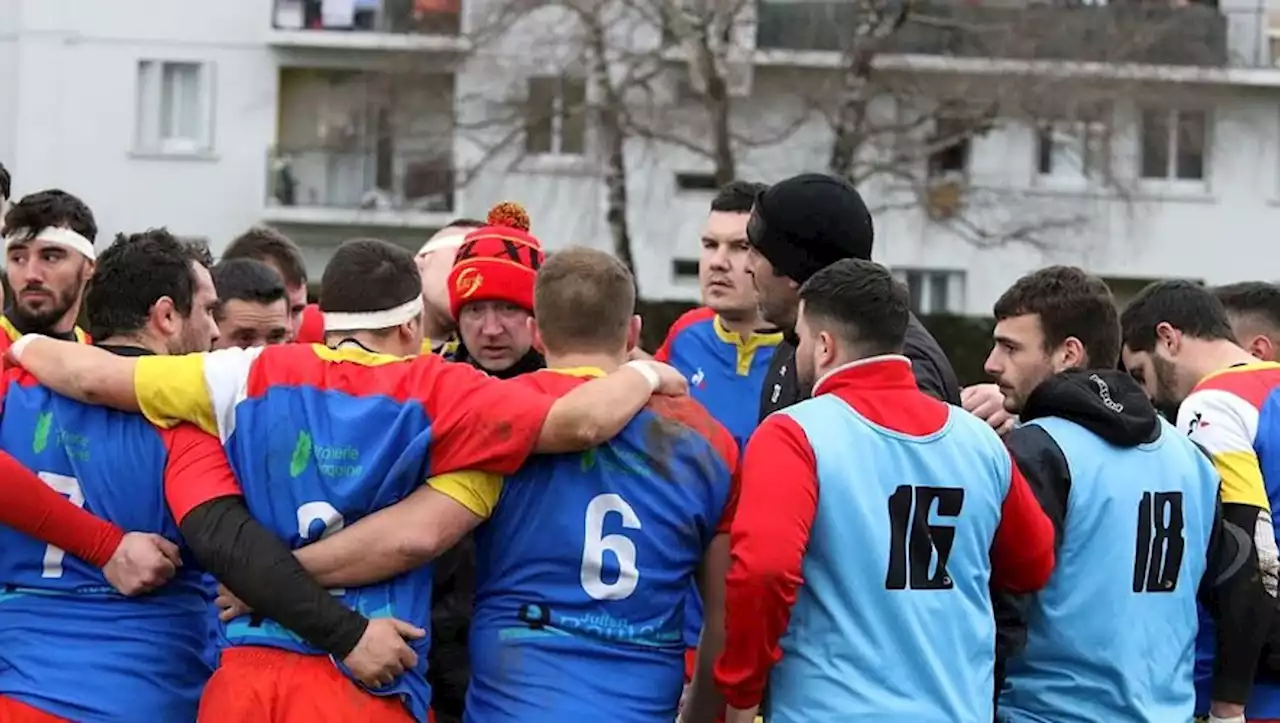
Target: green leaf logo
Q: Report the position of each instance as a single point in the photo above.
(43, 424)
(301, 454)
(588, 460)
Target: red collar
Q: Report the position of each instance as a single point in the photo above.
(880, 373)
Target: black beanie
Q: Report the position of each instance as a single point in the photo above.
(808, 222)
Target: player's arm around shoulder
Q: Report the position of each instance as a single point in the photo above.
(79, 371)
(1023, 552)
(406, 535)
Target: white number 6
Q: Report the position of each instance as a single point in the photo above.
(596, 543)
(329, 516)
(63, 485)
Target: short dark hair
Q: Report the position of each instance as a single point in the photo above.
(133, 273)
(862, 301)
(269, 246)
(368, 275)
(1069, 303)
(1184, 305)
(246, 280)
(54, 207)
(1252, 298)
(465, 223)
(6, 183)
(737, 196)
(583, 300)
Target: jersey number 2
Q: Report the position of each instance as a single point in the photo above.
(914, 544)
(596, 543)
(64, 485)
(1159, 542)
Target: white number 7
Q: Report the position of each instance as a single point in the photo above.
(70, 487)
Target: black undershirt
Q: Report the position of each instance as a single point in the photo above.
(256, 566)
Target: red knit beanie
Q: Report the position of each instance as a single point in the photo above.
(498, 262)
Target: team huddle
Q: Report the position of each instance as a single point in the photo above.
(221, 504)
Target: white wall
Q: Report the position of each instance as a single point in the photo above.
(74, 116)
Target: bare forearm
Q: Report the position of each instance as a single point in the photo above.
(362, 555)
(594, 412)
(80, 371)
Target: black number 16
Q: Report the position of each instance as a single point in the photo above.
(913, 542)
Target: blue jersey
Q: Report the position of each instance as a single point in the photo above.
(894, 619)
(584, 567)
(1100, 598)
(725, 371)
(72, 646)
(320, 438)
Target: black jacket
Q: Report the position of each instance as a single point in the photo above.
(933, 371)
(1111, 405)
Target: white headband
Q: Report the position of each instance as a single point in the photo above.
(365, 320)
(53, 235)
(449, 238)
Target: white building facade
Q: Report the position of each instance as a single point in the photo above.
(388, 118)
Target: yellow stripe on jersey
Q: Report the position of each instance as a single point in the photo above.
(171, 390)
(1225, 425)
(477, 491)
(203, 389)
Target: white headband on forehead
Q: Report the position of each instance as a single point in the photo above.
(365, 320)
(56, 235)
(447, 239)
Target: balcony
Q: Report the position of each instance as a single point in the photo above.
(1141, 33)
(390, 25)
(374, 187)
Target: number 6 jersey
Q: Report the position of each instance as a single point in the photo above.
(584, 567)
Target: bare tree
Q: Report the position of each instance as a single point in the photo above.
(919, 149)
(659, 74)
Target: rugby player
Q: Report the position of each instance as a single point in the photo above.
(49, 259)
(321, 436)
(1179, 344)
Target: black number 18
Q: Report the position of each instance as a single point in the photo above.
(1159, 543)
(913, 542)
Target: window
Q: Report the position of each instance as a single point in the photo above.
(952, 138)
(1174, 144)
(691, 181)
(684, 268)
(933, 292)
(175, 107)
(1075, 152)
(555, 119)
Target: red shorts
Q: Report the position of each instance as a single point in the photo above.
(12, 711)
(690, 663)
(265, 685)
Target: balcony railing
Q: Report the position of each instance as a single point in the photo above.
(419, 17)
(372, 180)
(1118, 33)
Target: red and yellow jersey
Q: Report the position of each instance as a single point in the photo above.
(320, 438)
(1230, 415)
(475, 422)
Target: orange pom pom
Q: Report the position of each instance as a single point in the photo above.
(509, 214)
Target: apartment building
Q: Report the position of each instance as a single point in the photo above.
(387, 118)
